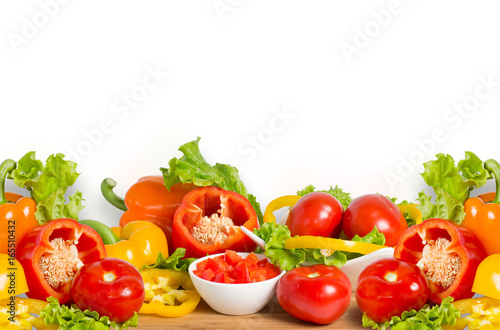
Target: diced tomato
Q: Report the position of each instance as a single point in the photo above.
(222, 278)
(272, 271)
(232, 268)
(257, 274)
(242, 272)
(232, 257)
(208, 275)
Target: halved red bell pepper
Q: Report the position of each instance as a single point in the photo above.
(148, 199)
(447, 253)
(208, 220)
(52, 254)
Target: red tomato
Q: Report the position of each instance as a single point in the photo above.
(320, 294)
(316, 214)
(388, 287)
(368, 211)
(111, 287)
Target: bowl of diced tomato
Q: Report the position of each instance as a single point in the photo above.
(235, 283)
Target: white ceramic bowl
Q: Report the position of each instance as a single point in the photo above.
(235, 299)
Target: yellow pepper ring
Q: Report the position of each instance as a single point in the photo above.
(278, 203)
(412, 208)
(164, 295)
(336, 244)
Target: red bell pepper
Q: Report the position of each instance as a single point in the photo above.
(148, 199)
(447, 253)
(52, 254)
(208, 220)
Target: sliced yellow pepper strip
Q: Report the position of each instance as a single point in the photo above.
(12, 278)
(278, 203)
(335, 244)
(169, 293)
(23, 319)
(412, 208)
(483, 313)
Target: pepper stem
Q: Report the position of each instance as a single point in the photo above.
(494, 167)
(107, 186)
(6, 167)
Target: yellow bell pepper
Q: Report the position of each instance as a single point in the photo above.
(12, 279)
(278, 203)
(412, 208)
(332, 244)
(487, 279)
(169, 293)
(23, 310)
(140, 243)
(479, 313)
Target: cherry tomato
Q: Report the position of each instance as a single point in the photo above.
(320, 294)
(388, 287)
(366, 212)
(111, 287)
(316, 214)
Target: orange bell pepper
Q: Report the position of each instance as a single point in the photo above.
(148, 199)
(482, 213)
(17, 213)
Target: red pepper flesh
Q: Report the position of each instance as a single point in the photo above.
(447, 253)
(208, 205)
(42, 260)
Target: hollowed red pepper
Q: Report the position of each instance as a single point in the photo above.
(52, 254)
(208, 221)
(148, 199)
(447, 253)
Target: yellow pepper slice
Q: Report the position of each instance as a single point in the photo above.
(327, 243)
(169, 293)
(487, 279)
(22, 308)
(141, 241)
(12, 278)
(483, 313)
(278, 203)
(412, 208)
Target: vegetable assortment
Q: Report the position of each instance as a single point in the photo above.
(83, 274)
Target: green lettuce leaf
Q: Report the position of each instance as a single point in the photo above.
(343, 197)
(48, 185)
(373, 237)
(174, 261)
(72, 318)
(452, 185)
(193, 168)
(426, 318)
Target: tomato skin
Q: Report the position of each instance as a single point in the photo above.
(316, 214)
(111, 287)
(320, 294)
(388, 287)
(367, 211)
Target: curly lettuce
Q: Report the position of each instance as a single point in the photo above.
(343, 197)
(48, 185)
(427, 317)
(193, 168)
(452, 184)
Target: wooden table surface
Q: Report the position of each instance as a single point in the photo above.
(271, 317)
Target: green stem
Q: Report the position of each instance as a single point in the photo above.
(6, 167)
(107, 186)
(494, 167)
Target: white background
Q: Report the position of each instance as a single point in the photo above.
(354, 93)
